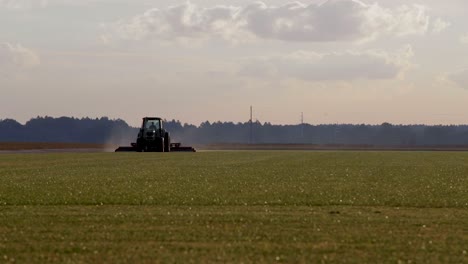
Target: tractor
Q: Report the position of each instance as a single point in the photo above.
(152, 137)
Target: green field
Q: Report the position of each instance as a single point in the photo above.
(277, 206)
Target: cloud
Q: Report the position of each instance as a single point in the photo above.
(338, 66)
(440, 25)
(333, 20)
(460, 78)
(464, 39)
(16, 57)
(183, 21)
(22, 4)
(34, 4)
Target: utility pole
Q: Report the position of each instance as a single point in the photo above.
(251, 125)
(302, 125)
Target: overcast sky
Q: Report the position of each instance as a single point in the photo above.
(338, 61)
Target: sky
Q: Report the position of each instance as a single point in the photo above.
(337, 61)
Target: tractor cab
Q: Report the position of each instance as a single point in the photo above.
(152, 136)
(151, 128)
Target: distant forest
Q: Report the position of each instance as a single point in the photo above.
(105, 130)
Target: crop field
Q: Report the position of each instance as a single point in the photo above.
(234, 206)
(12, 146)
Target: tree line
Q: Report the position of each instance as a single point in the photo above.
(117, 131)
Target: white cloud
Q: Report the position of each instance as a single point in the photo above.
(34, 4)
(339, 66)
(333, 20)
(459, 77)
(16, 57)
(22, 4)
(464, 39)
(440, 25)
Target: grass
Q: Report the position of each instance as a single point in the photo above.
(286, 206)
(14, 146)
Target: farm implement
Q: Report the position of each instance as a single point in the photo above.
(152, 137)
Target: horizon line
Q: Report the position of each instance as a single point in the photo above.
(243, 122)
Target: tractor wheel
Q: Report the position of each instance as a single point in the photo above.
(167, 142)
(160, 145)
(140, 145)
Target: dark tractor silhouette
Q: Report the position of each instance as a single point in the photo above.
(152, 137)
